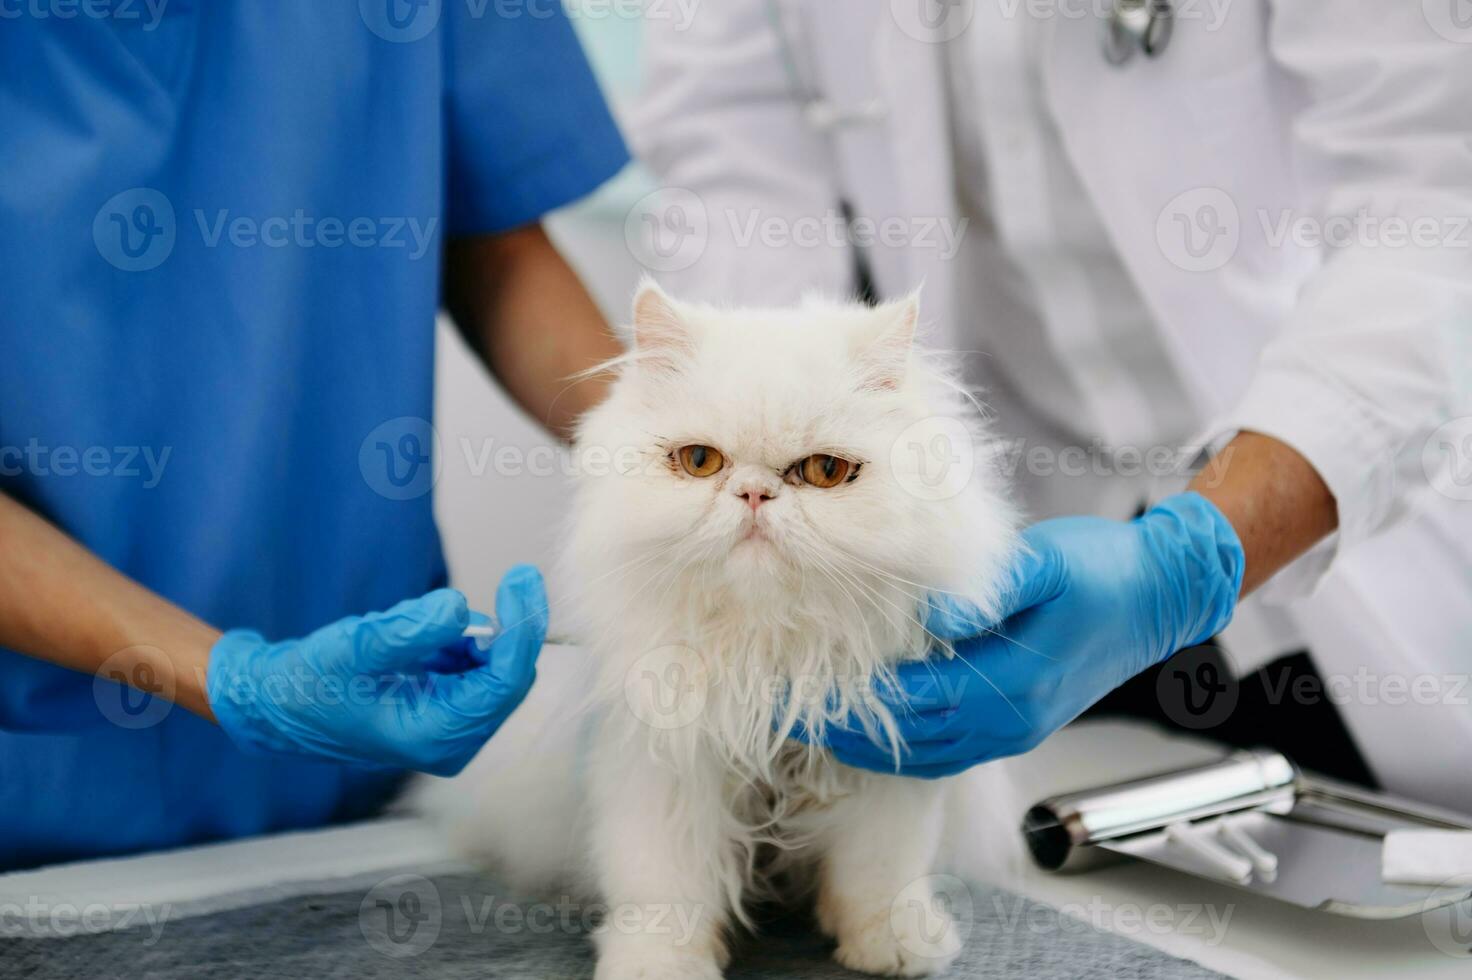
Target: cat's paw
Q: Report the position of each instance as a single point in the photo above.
(647, 966)
(896, 947)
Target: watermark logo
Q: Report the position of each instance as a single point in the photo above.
(1197, 689)
(933, 21)
(401, 916)
(148, 12)
(667, 230)
(134, 688)
(934, 458)
(1449, 927)
(1199, 230)
(400, 21)
(667, 688)
(1451, 19)
(1446, 459)
(135, 230)
(400, 459)
(933, 916)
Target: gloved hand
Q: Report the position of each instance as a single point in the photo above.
(1092, 603)
(400, 688)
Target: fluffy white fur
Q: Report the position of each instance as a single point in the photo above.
(664, 782)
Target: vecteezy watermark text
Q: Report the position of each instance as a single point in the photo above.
(403, 915)
(145, 463)
(137, 230)
(668, 230)
(303, 230)
(1210, 922)
(146, 12)
(406, 21)
(1202, 229)
(36, 916)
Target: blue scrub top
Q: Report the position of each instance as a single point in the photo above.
(220, 237)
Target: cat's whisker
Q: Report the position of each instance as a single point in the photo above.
(982, 674)
(843, 590)
(885, 722)
(917, 598)
(627, 565)
(874, 594)
(891, 575)
(925, 592)
(823, 565)
(673, 571)
(981, 629)
(816, 555)
(971, 666)
(630, 564)
(699, 556)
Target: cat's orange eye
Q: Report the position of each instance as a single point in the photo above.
(701, 460)
(824, 471)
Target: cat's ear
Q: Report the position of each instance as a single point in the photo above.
(658, 326)
(885, 345)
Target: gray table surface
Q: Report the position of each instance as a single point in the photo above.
(458, 926)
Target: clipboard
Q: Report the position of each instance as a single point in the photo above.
(1325, 837)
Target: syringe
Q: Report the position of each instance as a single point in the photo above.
(483, 633)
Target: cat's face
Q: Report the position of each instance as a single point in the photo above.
(766, 443)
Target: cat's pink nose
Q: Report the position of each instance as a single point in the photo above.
(754, 498)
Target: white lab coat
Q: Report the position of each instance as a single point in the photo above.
(1354, 355)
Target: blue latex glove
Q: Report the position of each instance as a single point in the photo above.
(1092, 603)
(400, 688)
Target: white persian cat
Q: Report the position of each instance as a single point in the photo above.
(758, 522)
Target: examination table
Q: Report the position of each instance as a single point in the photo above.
(386, 899)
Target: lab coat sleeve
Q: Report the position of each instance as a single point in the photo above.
(719, 117)
(1377, 355)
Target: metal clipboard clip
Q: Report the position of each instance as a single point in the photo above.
(1319, 840)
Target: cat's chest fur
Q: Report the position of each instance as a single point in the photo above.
(788, 805)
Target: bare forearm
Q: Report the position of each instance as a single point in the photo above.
(59, 603)
(523, 308)
(1277, 502)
